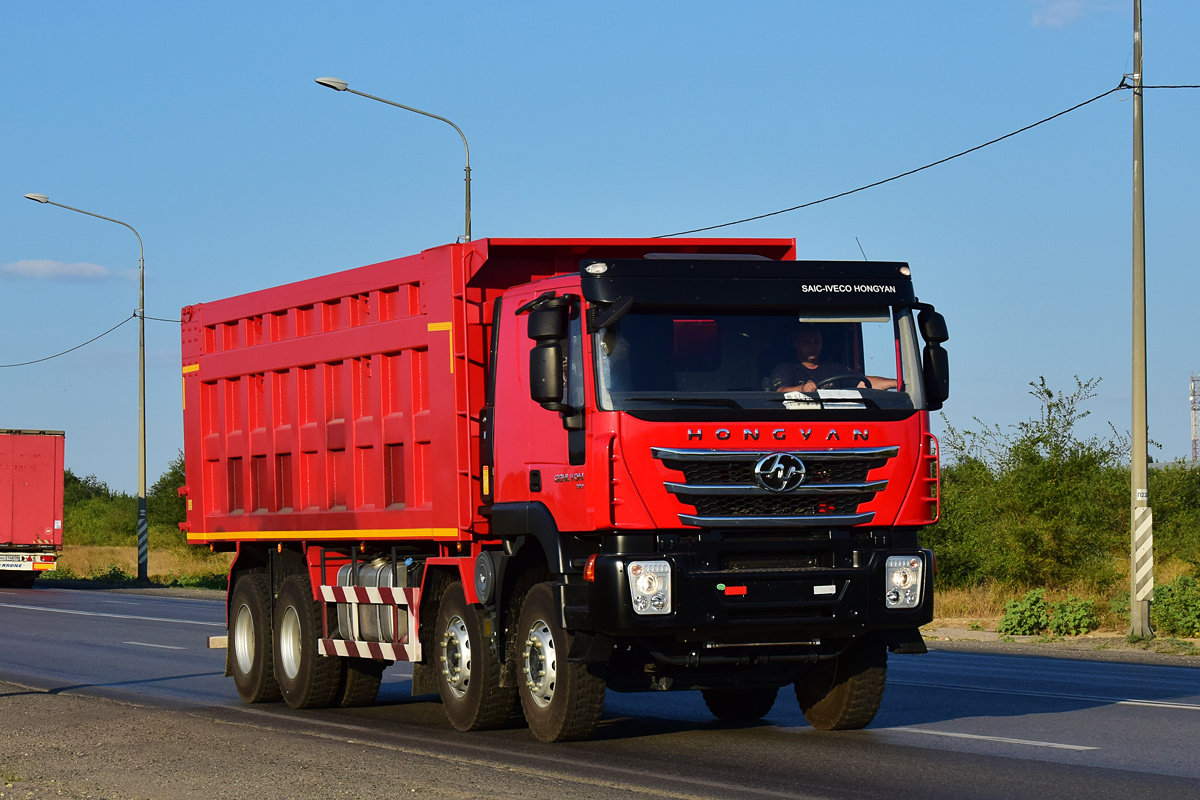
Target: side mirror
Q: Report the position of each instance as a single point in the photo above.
(546, 373)
(548, 324)
(936, 372)
(933, 326)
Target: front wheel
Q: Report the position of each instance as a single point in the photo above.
(844, 693)
(562, 701)
(468, 673)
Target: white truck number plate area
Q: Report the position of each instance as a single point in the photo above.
(7, 557)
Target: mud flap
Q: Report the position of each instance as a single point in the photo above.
(905, 642)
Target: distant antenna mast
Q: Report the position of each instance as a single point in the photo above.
(1195, 398)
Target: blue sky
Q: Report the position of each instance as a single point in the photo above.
(200, 125)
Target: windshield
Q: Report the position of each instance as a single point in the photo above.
(860, 358)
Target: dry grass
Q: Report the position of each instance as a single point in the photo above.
(983, 606)
(165, 563)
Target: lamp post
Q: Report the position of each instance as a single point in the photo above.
(341, 86)
(143, 528)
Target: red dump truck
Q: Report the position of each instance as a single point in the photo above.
(31, 504)
(540, 468)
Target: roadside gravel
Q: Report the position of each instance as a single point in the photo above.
(62, 745)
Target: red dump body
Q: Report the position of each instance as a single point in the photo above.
(31, 499)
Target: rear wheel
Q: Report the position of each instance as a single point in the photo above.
(251, 652)
(360, 681)
(739, 705)
(562, 701)
(467, 672)
(17, 580)
(306, 678)
(844, 693)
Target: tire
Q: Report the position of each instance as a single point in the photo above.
(251, 648)
(562, 701)
(360, 681)
(739, 705)
(306, 678)
(468, 674)
(844, 693)
(17, 580)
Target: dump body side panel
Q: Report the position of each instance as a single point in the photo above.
(339, 408)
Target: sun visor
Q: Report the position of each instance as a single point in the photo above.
(709, 283)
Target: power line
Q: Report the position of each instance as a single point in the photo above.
(163, 319)
(73, 349)
(1076, 107)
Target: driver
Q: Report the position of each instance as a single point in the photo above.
(808, 371)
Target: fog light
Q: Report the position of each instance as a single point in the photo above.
(658, 602)
(902, 576)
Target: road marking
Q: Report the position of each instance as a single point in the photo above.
(1116, 701)
(163, 646)
(114, 616)
(1003, 739)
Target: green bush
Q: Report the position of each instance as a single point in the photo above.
(1038, 506)
(164, 506)
(94, 514)
(1176, 607)
(1073, 617)
(1119, 607)
(1026, 616)
(101, 520)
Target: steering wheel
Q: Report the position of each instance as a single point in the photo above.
(857, 377)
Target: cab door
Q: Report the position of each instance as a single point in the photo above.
(536, 458)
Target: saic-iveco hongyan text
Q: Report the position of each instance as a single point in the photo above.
(540, 468)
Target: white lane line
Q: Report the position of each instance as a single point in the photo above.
(163, 646)
(1002, 739)
(114, 616)
(1116, 701)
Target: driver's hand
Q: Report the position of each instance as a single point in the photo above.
(807, 386)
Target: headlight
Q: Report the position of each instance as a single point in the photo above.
(650, 586)
(902, 575)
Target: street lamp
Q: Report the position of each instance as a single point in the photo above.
(341, 86)
(143, 528)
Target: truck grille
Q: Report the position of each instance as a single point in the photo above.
(723, 488)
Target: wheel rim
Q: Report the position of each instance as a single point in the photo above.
(289, 642)
(456, 656)
(243, 639)
(541, 664)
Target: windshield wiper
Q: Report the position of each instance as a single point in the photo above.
(688, 401)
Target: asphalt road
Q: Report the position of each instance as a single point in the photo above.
(118, 670)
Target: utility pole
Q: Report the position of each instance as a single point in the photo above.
(1141, 571)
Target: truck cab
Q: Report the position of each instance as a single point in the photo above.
(729, 458)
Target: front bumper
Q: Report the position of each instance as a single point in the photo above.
(721, 605)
